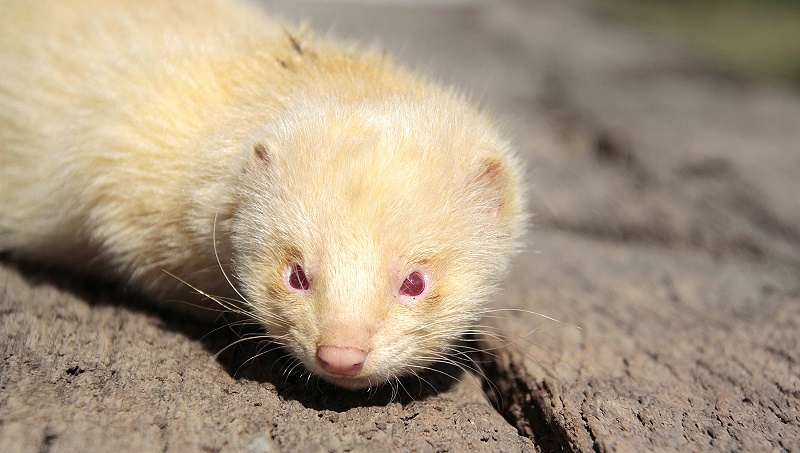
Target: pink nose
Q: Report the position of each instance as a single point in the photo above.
(340, 360)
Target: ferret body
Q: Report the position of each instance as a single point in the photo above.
(363, 214)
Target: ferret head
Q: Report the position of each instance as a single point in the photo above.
(370, 234)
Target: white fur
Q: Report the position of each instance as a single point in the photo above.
(128, 132)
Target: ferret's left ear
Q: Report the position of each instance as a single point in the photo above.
(495, 188)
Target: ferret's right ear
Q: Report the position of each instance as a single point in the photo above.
(262, 154)
(260, 159)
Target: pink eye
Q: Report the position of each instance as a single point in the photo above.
(413, 285)
(297, 278)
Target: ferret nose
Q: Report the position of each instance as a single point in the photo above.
(339, 360)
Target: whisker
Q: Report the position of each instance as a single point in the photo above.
(221, 268)
(530, 312)
(257, 355)
(220, 301)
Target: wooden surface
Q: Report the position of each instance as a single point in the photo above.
(665, 241)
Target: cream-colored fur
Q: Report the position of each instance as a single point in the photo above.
(134, 132)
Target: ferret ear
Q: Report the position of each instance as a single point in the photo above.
(262, 154)
(492, 180)
(259, 160)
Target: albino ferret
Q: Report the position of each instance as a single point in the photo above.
(361, 213)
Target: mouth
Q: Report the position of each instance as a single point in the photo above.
(351, 383)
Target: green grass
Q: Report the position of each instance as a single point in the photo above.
(752, 38)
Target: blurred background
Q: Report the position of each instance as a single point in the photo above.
(752, 38)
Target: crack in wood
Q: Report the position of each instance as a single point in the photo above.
(514, 395)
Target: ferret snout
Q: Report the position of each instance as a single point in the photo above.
(343, 361)
(343, 351)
